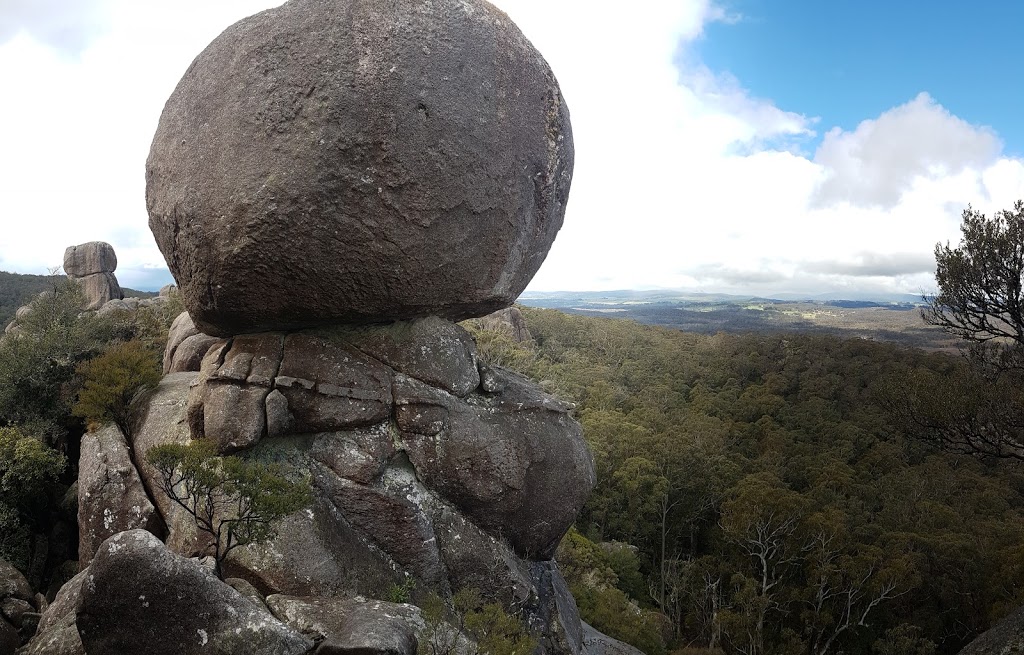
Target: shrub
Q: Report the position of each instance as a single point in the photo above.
(28, 470)
(233, 500)
(114, 381)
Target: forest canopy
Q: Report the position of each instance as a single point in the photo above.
(758, 497)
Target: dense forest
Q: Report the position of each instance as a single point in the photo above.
(755, 497)
(755, 493)
(17, 290)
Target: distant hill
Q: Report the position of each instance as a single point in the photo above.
(17, 289)
(894, 318)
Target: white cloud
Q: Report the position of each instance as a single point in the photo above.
(65, 26)
(682, 178)
(876, 163)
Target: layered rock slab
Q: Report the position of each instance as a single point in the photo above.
(357, 161)
(500, 453)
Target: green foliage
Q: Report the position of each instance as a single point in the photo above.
(114, 381)
(974, 408)
(764, 484)
(401, 593)
(233, 500)
(980, 286)
(37, 364)
(490, 629)
(28, 469)
(590, 571)
(17, 290)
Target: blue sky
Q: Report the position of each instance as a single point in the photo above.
(736, 146)
(844, 60)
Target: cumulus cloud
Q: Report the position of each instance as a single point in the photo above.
(875, 164)
(873, 264)
(65, 26)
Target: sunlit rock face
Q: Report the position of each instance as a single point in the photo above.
(359, 161)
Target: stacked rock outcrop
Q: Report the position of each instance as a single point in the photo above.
(92, 265)
(332, 185)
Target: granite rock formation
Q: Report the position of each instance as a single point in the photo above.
(332, 184)
(19, 609)
(358, 162)
(92, 265)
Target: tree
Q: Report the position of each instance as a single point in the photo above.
(977, 407)
(233, 500)
(114, 382)
(980, 287)
(28, 471)
(38, 361)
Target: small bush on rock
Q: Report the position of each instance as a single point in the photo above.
(114, 382)
(491, 629)
(234, 500)
(28, 469)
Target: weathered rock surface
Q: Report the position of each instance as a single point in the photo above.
(141, 598)
(13, 584)
(508, 321)
(1004, 638)
(164, 422)
(355, 161)
(598, 643)
(57, 633)
(188, 356)
(112, 498)
(501, 456)
(89, 258)
(373, 519)
(343, 626)
(92, 266)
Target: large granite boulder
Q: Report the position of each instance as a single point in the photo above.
(357, 161)
(140, 597)
(92, 266)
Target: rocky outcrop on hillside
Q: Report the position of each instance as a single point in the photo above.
(332, 184)
(92, 266)
(508, 321)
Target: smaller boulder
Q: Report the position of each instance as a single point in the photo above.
(57, 633)
(345, 626)
(141, 598)
(90, 258)
(13, 584)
